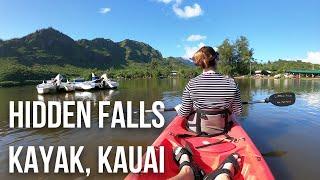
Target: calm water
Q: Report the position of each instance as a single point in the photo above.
(288, 136)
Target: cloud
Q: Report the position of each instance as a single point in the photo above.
(188, 11)
(196, 37)
(165, 1)
(104, 10)
(185, 12)
(313, 57)
(190, 50)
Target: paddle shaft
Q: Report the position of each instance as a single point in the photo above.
(173, 109)
(254, 102)
(280, 99)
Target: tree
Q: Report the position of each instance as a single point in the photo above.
(235, 57)
(243, 55)
(227, 62)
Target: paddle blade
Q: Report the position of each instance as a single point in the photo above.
(282, 99)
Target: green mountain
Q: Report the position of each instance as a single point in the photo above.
(51, 47)
(139, 52)
(46, 52)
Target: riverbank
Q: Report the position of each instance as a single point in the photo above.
(19, 83)
(14, 74)
(271, 77)
(7, 84)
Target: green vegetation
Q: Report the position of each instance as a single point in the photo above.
(12, 73)
(155, 69)
(235, 57)
(43, 54)
(281, 66)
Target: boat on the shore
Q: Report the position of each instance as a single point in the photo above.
(108, 83)
(67, 86)
(55, 85)
(102, 82)
(277, 76)
(59, 84)
(50, 86)
(46, 87)
(81, 84)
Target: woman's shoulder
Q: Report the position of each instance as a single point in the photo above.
(195, 79)
(232, 82)
(228, 79)
(215, 76)
(192, 82)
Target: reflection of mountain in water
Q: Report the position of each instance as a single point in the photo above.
(102, 95)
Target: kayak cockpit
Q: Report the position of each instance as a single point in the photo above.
(209, 152)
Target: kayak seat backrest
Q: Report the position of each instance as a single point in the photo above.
(209, 122)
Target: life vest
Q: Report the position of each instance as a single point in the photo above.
(209, 122)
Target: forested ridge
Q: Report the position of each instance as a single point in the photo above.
(47, 52)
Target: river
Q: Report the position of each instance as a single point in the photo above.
(287, 136)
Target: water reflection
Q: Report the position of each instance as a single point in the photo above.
(293, 129)
(103, 95)
(312, 99)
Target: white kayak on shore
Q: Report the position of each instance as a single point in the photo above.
(57, 84)
(46, 88)
(81, 84)
(108, 83)
(50, 86)
(102, 82)
(54, 85)
(67, 86)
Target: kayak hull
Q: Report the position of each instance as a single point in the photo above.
(208, 152)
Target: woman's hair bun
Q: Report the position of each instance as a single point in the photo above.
(206, 57)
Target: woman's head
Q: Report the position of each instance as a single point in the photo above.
(206, 57)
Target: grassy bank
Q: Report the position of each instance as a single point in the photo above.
(13, 73)
(19, 83)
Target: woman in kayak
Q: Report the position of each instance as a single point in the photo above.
(209, 101)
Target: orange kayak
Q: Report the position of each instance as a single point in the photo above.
(209, 152)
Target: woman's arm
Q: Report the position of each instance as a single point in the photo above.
(187, 104)
(237, 103)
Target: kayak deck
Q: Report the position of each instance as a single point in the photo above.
(209, 152)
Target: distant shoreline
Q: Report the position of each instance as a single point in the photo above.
(246, 77)
(8, 84)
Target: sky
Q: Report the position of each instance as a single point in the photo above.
(285, 29)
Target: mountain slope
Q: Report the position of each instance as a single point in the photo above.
(139, 51)
(46, 52)
(51, 47)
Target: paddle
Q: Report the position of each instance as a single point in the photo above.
(278, 99)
